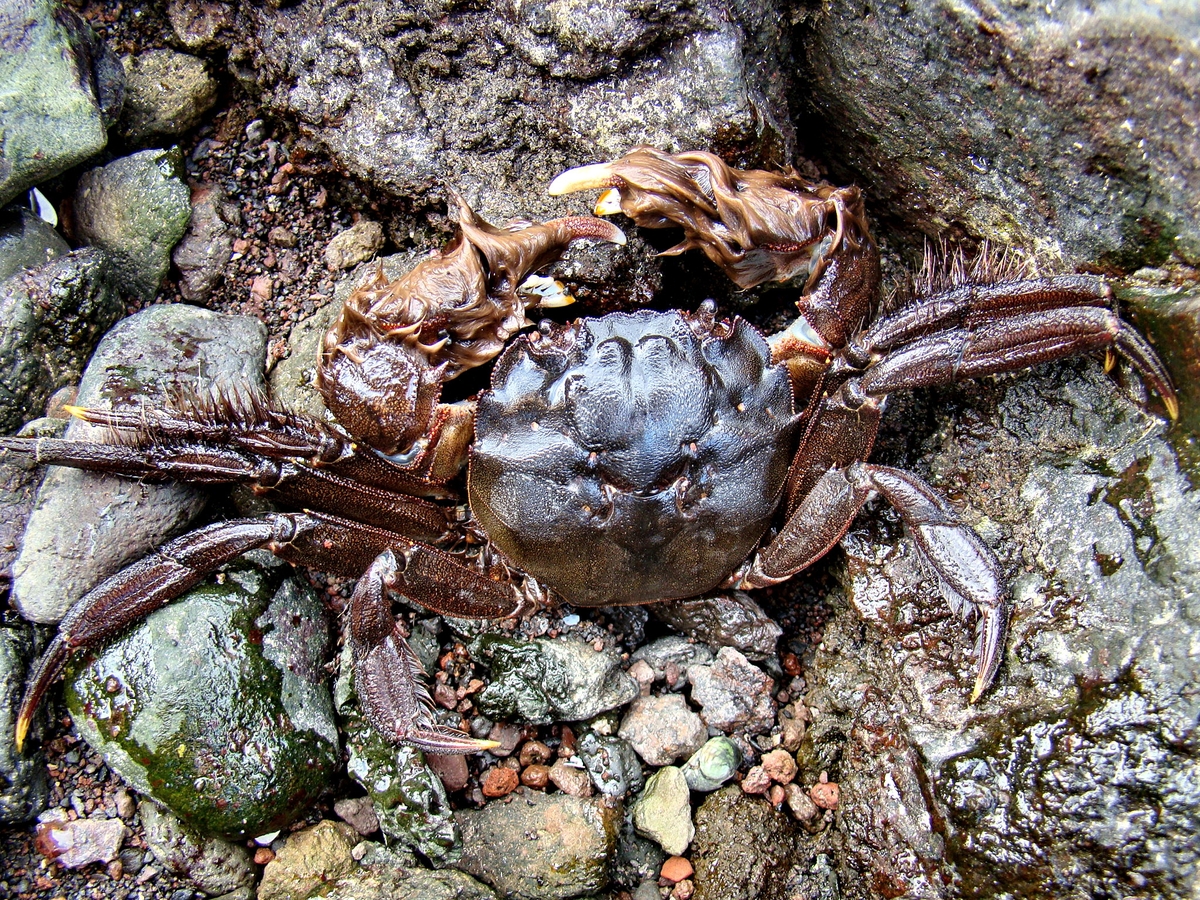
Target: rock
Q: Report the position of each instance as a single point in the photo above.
(356, 244)
(26, 241)
(358, 813)
(166, 94)
(389, 882)
(712, 765)
(793, 720)
(1170, 315)
(672, 655)
(499, 781)
(540, 845)
(165, 703)
(663, 812)
(730, 619)
(544, 680)
(757, 781)
(199, 23)
(800, 803)
(611, 763)
(136, 208)
(75, 843)
(571, 779)
(213, 865)
(1078, 752)
(23, 787)
(202, 256)
(779, 766)
(744, 847)
(50, 320)
(20, 478)
(308, 861)
(733, 694)
(898, 93)
(62, 88)
(408, 797)
(662, 729)
(87, 526)
(405, 113)
(825, 794)
(676, 869)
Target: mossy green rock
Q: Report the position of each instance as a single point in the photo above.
(137, 208)
(214, 705)
(61, 88)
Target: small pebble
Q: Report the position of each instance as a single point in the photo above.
(641, 672)
(535, 776)
(571, 779)
(499, 781)
(683, 890)
(263, 855)
(825, 794)
(775, 795)
(800, 803)
(779, 766)
(535, 753)
(757, 781)
(451, 769)
(507, 735)
(676, 868)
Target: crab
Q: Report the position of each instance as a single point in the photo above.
(637, 457)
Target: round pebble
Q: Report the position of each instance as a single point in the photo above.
(676, 868)
(825, 794)
(757, 781)
(499, 781)
(779, 766)
(535, 776)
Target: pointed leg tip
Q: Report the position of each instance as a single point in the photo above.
(76, 411)
(1172, 404)
(608, 203)
(22, 730)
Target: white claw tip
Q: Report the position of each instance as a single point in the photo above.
(582, 178)
(608, 203)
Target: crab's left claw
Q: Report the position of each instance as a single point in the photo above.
(757, 226)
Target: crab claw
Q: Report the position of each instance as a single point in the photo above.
(757, 226)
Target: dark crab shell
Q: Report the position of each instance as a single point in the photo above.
(632, 458)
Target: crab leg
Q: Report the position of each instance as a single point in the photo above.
(967, 569)
(324, 542)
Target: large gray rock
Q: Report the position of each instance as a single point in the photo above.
(137, 208)
(62, 89)
(1066, 128)
(26, 241)
(213, 865)
(167, 93)
(541, 846)
(215, 706)
(86, 526)
(50, 320)
(23, 787)
(496, 99)
(1085, 749)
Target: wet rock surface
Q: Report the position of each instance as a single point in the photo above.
(136, 208)
(1084, 749)
(23, 787)
(213, 865)
(85, 526)
(309, 860)
(63, 88)
(166, 93)
(540, 845)
(733, 619)
(166, 702)
(51, 318)
(202, 255)
(26, 241)
(1085, 149)
(544, 681)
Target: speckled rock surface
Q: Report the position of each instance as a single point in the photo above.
(213, 865)
(136, 208)
(308, 861)
(1085, 748)
(541, 846)
(50, 320)
(744, 847)
(166, 93)
(544, 680)
(62, 88)
(1067, 128)
(86, 526)
(23, 788)
(165, 703)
